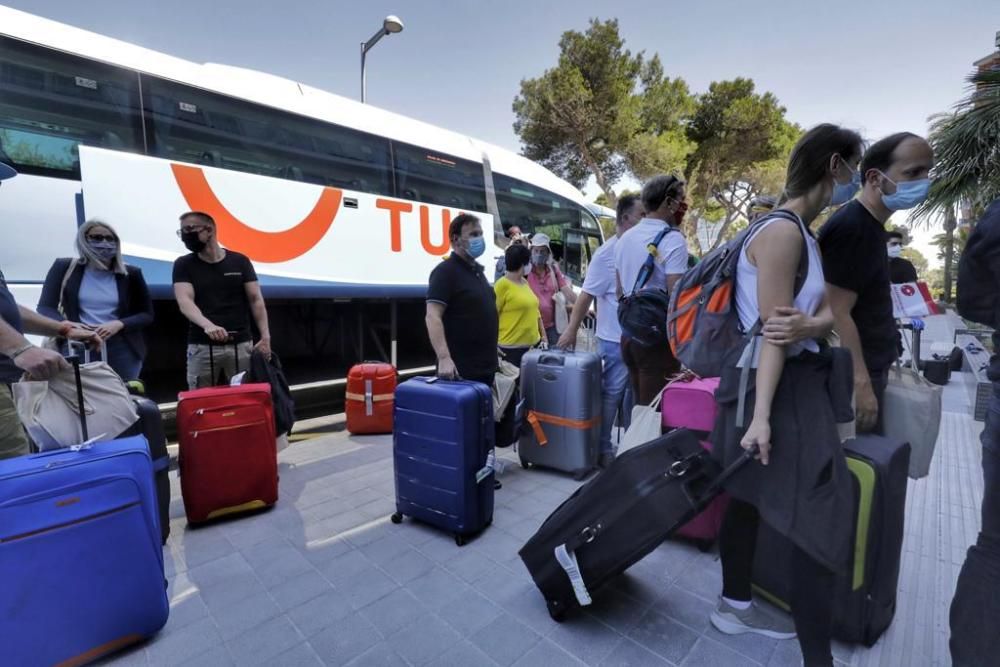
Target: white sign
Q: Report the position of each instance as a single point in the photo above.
(912, 300)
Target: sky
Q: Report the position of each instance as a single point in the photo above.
(880, 66)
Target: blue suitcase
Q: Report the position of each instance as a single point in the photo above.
(81, 565)
(443, 438)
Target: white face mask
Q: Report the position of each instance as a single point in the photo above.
(895, 251)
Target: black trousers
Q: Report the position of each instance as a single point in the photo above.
(812, 584)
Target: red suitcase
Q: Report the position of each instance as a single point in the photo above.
(369, 398)
(690, 403)
(228, 459)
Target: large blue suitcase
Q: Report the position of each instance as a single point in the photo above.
(81, 565)
(443, 439)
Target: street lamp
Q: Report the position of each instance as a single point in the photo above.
(390, 25)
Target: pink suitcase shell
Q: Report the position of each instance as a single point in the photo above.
(691, 404)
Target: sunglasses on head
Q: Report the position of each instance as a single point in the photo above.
(102, 237)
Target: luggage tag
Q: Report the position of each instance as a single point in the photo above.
(485, 471)
(86, 444)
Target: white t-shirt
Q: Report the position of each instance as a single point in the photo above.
(600, 284)
(631, 253)
(808, 300)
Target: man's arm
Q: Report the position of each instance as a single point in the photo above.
(435, 331)
(580, 310)
(259, 310)
(184, 293)
(842, 302)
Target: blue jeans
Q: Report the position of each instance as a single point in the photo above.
(615, 391)
(975, 610)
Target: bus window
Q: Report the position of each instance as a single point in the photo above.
(51, 102)
(434, 178)
(536, 210)
(193, 125)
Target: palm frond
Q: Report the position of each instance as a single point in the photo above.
(966, 146)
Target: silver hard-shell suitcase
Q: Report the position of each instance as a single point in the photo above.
(561, 411)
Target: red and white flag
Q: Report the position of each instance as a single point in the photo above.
(913, 300)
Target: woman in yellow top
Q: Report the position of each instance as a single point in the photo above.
(517, 307)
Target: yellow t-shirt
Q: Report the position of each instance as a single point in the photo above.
(517, 308)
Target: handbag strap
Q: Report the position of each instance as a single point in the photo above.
(62, 287)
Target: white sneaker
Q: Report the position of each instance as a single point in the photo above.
(732, 621)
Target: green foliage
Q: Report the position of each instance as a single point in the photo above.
(603, 111)
(918, 260)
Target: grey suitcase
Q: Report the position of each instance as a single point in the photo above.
(560, 411)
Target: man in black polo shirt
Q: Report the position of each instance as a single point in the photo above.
(217, 291)
(894, 174)
(461, 308)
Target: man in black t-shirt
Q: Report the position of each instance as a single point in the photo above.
(461, 307)
(894, 174)
(901, 270)
(217, 291)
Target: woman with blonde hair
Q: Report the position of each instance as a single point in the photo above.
(98, 291)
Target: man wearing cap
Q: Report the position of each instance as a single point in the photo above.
(546, 280)
(19, 357)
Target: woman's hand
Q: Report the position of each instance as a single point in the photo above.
(109, 329)
(759, 434)
(789, 325)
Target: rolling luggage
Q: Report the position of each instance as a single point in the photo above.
(228, 458)
(442, 449)
(150, 426)
(690, 403)
(621, 515)
(368, 400)
(80, 555)
(865, 599)
(561, 394)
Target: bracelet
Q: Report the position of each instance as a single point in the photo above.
(19, 351)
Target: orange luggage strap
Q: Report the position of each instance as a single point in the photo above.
(536, 419)
(361, 397)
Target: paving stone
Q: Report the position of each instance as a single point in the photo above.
(470, 565)
(586, 638)
(385, 549)
(424, 640)
(302, 655)
(367, 587)
(394, 611)
(463, 655)
(437, 588)
(321, 612)
(219, 656)
(249, 613)
(505, 640)
(629, 654)
(174, 648)
(345, 640)
(686, 608)
(469, 613)
(345, 567)
(299, 589)
(408, 565)
(617, 610)
(380, 655)
(664, 636)
(259, 645)
(707, 653)
(187, 610)
(754, 647)
(547, 654)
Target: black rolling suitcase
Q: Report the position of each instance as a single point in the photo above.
(865, 598)
(150, 425)
(622, 514)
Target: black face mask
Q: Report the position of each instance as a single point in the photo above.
(192, 242)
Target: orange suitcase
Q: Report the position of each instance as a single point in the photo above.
(370, 389)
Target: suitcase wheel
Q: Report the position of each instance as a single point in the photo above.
(460, 540)
(524, 462)
(396, 517)
(556, 611)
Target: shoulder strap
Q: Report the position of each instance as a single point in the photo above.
(803, 270)
(646, 270)
(62, 288)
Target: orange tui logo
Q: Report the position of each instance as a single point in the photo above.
(260, 246)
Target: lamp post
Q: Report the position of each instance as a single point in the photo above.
(390, 25)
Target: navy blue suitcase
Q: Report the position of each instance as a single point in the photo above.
(443, 439)
(81, 565)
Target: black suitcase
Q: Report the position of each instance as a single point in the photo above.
(938, 371)
(865, 599)
(150, 425)
(619, 516)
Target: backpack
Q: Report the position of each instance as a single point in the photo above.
(977, 296)
(642, 313)
(270, 372)
(703, 326)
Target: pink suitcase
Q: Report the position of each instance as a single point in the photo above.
(690, 403)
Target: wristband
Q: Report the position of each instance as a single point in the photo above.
(19, 351)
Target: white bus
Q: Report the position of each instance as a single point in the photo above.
(341, 206)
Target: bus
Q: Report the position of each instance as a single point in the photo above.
(343, 207)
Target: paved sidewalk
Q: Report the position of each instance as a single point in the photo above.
(325, 578)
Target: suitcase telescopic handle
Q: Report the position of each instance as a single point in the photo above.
(74, 359)
(236, 356)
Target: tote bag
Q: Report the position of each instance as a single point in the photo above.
(646, 425)
(912, 408)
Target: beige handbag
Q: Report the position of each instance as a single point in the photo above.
(504, 383)
(50, 411)
(912, 413)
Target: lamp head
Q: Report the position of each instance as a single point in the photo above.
(392, 24)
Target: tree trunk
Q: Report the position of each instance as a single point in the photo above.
(949, 251)
(595, 169)
(726, 224)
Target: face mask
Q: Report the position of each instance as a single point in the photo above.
(539, 258)
(907, 195)
(105, 250)
(844, 192)
(682, 209)
(192, 242)
(895, 251)
(526, 270)
(476, 247)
